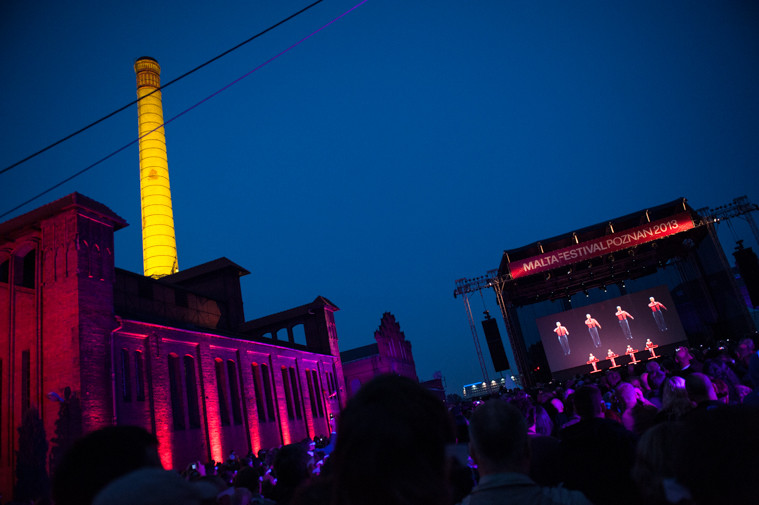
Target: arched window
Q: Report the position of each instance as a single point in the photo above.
(221, 388)
(311, 393)
(259, 393)
(288, 393)
(299, 334)
(296, 393)
(24, 269)
(139, 376)
(126, 383)
(175, 388)
(266, 376)
(191, 385)
(318, 392)
(234, 392)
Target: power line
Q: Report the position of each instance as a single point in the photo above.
(158, 89)
(93, 165)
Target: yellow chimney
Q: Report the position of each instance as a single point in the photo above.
(159, 248)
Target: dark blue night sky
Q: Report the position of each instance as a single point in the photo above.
(401, 148)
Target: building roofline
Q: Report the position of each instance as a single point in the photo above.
(73, 200)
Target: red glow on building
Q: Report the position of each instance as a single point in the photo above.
(122, 344)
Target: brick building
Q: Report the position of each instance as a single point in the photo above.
(88, 345)
(391, 353)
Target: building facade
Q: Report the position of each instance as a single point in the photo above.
(85, 345)
(391, 353)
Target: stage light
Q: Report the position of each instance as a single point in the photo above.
(586, 293)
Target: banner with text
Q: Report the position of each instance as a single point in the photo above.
(648, 232)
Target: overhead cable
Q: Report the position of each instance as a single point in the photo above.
(93, 165)
(120, 109)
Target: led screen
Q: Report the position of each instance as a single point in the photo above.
(570, 337)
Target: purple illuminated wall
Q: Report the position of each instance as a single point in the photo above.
(611, 334)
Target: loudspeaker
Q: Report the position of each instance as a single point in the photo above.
(495, 344)
(748, 266)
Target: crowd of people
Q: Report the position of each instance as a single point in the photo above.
(682, 429)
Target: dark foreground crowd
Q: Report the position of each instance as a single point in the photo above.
(683, 429)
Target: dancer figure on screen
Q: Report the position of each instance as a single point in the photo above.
(612, 356)
(562, 332)
(631, 352)
(623, 315)
(656, 310)
(650, 346)
(592, 360)
(593, 328)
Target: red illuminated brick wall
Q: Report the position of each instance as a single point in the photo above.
(64, 319)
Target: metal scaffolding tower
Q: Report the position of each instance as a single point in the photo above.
(739, 207)
(464, 288)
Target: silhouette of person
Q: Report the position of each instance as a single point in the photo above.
(500, 445)
(623, 315)
(101, 457)
(656, 310)
(391, 448)
(593, 327)
(562, 333)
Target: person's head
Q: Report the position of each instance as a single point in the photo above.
(644, 382)
(626, 393)
(674, 396)
(498, 438)
(588, 402)
(721, 389)
(291, 468)
(558, 405)
(247, 477)
(635, 381)
(654, 461)
(391, 443)
(655, 380)
(543, 422)
(747, 345)
(613, 377)
(683, 357)
(716, 456)
(699, 388)
(587, 316)
(525, 405)
(619, 307)
(651, 298)
(156, 486)
(100, 457)
(558, 323)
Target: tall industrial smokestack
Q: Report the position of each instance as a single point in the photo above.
(159, 248)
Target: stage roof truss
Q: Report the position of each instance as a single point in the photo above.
(599, 270)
